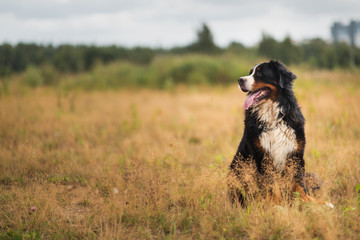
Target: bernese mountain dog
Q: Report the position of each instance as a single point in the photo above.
(274, 139)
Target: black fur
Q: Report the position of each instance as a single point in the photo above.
(278, 76)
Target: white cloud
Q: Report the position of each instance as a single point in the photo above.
(167, 23)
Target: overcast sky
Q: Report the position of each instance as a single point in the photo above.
(167, 23)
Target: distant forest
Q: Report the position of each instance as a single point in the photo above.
(78, 58)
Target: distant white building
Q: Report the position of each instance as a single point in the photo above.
(346, 33)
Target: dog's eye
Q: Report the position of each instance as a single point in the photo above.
(258, 74)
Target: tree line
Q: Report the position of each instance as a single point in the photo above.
(66, 58)
(315, 52)
(78, 58)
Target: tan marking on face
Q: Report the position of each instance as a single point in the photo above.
(259, 85)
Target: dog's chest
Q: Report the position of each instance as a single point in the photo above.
(277, 138)
(279, 142)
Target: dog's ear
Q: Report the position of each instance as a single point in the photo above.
(286, 77)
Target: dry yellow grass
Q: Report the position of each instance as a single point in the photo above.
(147, 164)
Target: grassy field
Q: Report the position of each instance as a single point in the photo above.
(152, 164)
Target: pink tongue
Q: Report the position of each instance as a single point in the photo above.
(249, 100)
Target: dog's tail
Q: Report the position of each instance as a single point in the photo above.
(313, 183)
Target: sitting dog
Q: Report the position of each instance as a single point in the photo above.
(272, 147)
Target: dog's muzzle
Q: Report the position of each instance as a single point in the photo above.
(242, 82)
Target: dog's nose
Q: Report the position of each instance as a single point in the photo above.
(241, 81)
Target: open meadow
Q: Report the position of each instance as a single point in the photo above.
(138, 163)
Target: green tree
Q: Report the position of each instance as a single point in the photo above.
(318, 53)
(342, 54)
(69, 58)
(204, 42)
(289, 52)
(7, 56)
(236, 47)
(269, 47)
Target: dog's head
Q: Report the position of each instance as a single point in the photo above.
(265, 81)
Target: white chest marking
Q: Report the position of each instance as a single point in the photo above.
(278, 140)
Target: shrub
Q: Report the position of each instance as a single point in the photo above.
(33, 77)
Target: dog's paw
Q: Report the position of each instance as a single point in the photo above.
(329, 205)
